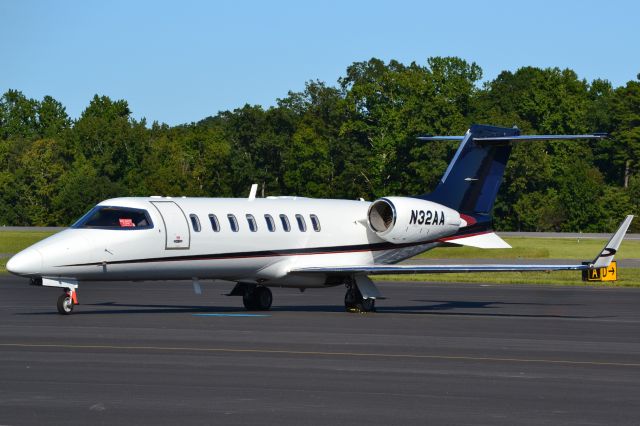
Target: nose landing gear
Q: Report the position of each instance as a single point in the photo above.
(66, 301)
(69, 297)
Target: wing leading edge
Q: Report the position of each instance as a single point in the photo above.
(603, 259)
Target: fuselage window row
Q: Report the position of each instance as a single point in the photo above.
(253, 224)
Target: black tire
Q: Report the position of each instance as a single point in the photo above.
(350, 299)
(353, 299)
(354, 302)
(258, 299)
(263, 298)
(368, 305)
(249, 301)
(65, 304)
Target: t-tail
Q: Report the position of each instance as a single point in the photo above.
(471, 182)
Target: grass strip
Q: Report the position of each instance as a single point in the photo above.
(14, 241)
(537, 248)
(627, 277)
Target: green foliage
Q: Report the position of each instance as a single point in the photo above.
(389, 105)
(357, 139)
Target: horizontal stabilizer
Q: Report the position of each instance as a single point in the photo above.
(540, 137)
(516, 138)
(490, 240)
(440, 138)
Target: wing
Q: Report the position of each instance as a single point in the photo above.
(432, 269)
(603, 259)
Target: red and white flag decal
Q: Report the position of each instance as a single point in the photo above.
(126, 223)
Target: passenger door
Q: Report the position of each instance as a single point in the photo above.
(177, 233)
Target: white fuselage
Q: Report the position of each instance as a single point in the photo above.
(171, 247)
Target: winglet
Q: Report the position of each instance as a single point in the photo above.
(606, 255)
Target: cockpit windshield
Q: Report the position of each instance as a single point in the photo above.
(109, 217)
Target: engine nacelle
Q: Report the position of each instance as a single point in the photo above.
(407, 220)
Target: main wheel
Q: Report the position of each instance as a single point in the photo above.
(354, 302)
(368, 305)
(249, 301)
(351, 298)
(65, 304)
(263, 298)
(258, 299)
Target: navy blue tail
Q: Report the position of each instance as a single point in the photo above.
(470, 184)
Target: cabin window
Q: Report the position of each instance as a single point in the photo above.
(315, 222)
(110, 217)
(271, 225)
(301, 223)
(253, 226)
(215, 225)
(233, 222)
(195, 222)
(285, 223)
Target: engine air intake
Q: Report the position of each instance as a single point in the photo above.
(407, 219)
(381, 215)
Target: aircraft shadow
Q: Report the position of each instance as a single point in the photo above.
(124, 308)
(462, 308)
(433, 307)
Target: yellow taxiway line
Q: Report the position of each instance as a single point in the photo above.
(321, 353)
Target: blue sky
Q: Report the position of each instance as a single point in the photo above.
(178, 62)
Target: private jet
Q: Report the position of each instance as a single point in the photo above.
(294, 242)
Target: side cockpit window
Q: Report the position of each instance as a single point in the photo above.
(111, 217)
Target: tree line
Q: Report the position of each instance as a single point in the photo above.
(353, 139)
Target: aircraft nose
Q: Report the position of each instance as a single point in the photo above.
(27, 262)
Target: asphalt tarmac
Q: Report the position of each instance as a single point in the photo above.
(156, 353)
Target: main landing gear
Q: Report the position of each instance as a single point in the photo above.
(66, 301)
(255, 297)
(355, 302)
(258, 298)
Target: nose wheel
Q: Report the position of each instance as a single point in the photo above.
(66, 301)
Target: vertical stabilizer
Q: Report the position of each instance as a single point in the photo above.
(471, 182)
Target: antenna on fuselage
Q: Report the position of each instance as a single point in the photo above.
(253, 191)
